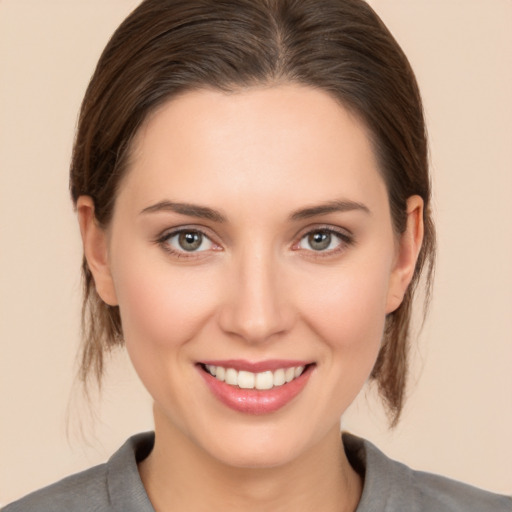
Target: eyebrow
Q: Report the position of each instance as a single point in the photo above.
(204, 212)
(192, 210)
(328, 207)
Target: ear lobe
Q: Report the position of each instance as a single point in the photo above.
(409, 246)
(94, 240)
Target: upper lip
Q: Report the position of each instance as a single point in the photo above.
(256, 367)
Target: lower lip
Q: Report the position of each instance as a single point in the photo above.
(253, 401)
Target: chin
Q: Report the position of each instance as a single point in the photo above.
(259, 447)
(258, 457)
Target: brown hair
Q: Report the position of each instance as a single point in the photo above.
(168, 46)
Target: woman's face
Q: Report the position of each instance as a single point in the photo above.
(252, 239)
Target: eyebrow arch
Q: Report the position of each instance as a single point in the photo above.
(328, 207)
(192, 210)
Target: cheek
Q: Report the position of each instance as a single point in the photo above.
(161, 306)
(348, 308)
(346, 312)
(162, 310)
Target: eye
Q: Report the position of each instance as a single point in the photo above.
(186, 241)
(324, 240)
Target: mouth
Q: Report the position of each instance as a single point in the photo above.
(250, 380)
(256, 388)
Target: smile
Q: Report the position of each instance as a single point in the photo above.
(256, 388)
(249, 380)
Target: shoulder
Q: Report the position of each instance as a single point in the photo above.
(115, 485)
(84, 491)
(392, 487)
(438, 493)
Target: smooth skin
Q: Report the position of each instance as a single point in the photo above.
(278, 168)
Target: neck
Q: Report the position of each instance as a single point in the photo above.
(180, 476)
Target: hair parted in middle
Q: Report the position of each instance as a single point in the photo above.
(166, 47)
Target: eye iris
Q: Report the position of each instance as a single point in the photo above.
(190, 241)
(319, 240)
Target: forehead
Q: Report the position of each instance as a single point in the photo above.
(259, 142)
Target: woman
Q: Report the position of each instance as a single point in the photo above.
(252, 189)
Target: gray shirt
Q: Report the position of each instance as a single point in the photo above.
(388, 486)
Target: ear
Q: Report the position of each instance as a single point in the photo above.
(94, 240)
(408, 249)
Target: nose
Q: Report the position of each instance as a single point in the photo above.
(258, 306)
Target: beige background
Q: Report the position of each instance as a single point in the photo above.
(458, 420)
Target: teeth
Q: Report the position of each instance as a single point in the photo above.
(231, 377)
(250, 380)
(279, 377)
(220, 373)
(264, 380)
(289, 374)
(246, 380)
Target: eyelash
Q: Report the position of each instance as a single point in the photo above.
(345, 241)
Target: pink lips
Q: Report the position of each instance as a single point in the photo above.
(253, 401)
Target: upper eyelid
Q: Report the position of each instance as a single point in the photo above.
(169, 232)
(344, 232)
